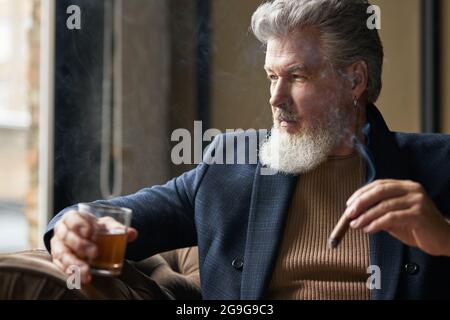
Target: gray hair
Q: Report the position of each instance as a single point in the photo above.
(345, 36)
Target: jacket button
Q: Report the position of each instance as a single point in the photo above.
(411, 268)
(237, 263)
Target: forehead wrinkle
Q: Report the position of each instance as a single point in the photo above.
(297, 68)
(289, 69)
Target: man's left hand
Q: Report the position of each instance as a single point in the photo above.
(405, 211)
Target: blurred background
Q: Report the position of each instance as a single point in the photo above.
(88, 113)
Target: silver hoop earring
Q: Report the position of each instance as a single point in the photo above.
(355, 103)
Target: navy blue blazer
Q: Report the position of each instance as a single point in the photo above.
(236, 217)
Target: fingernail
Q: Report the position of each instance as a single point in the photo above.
(354, 224)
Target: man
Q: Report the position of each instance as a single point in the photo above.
(265, 236)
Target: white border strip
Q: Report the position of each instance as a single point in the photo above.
(46, 115)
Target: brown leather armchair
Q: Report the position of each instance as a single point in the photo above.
(170, 275)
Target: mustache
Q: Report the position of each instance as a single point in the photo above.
(286, 115)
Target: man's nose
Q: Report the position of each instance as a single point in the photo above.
(280, 94)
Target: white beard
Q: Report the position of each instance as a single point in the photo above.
(302, 152)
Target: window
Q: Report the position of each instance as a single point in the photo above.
(19, 51)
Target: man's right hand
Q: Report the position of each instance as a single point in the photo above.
(73, 241)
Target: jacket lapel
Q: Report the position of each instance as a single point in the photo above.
(271, 196)
(385, 251)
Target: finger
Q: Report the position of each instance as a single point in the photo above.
(397, 224)
(62, 257)
(366, 188)
(389, 222)
(110, 225)
(132, 234)
(66, 240)
(58, 264)
(87, 215)
(81, 247)
(374, 195)
(81, 222)
(60, 231)
(70, 261)
(110, 222)
(57, 248)
(383, 207)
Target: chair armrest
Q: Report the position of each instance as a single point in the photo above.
(176, 271)
(31, 275)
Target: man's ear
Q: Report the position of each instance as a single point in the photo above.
(358, 75)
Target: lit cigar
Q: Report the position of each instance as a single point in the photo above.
(339, 232)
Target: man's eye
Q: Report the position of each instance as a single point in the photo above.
(298, 77)
(272, 77)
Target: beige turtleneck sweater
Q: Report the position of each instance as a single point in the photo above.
(306, 268)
